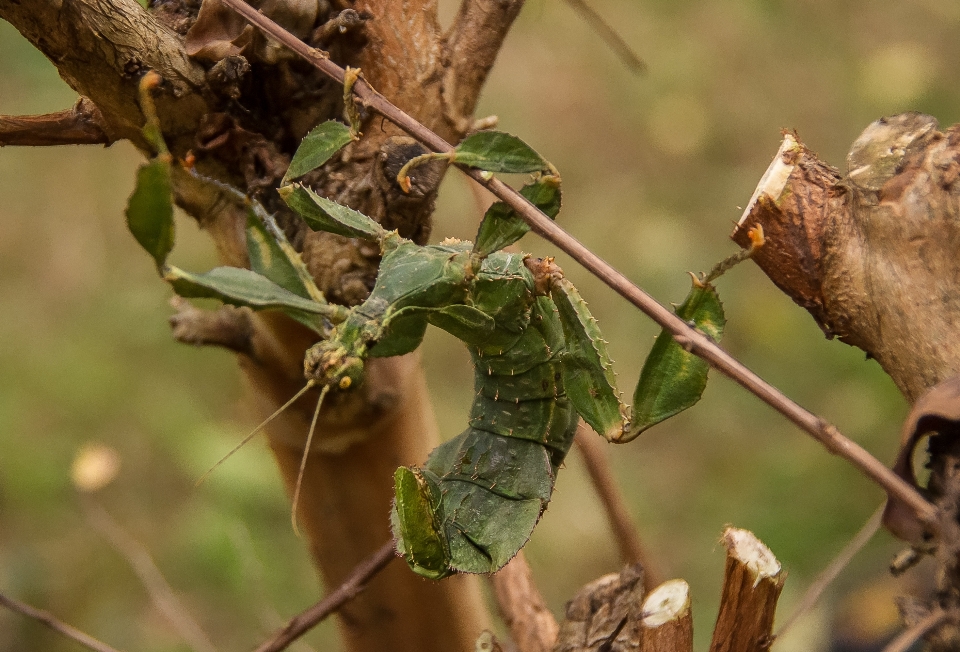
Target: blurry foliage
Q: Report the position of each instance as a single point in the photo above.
(654, 170)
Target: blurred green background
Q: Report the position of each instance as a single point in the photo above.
(655, 170)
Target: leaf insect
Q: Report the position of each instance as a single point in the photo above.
(540, 363)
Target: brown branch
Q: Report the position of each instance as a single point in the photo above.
(667, 623)
(532, 627)
(610, 36)
(100, 47)
(751, 586)
(471, 47)
(55, 624)
(911, 635)
(355, 583)
(228, 327)
(698, 343)
(624, 529)
(833, 569)
(80, 125)
(159, 590)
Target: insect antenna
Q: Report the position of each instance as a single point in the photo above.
(303, 460)
(310, 384)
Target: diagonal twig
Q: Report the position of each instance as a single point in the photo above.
(833, 569)
(610, 36)
(160, 591)
(911, 635)
(624, 529)
(692, 340)
(355, 583)
(51, 621)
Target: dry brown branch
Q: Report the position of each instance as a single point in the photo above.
(80, 125)
(871, 253)
(610, 36)
(751, 586)
(100, 47)
(667, 623)
(604, 615)
(833, 569)
(351, 587)
(625, 532)
(55, 624)
(471, 47)
(693, 340)
(532, 627)
(159, 590)
(228, 327)
(905, 640)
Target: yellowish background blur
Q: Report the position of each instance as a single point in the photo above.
(655, 170)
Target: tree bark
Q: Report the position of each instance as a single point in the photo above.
(872, 253)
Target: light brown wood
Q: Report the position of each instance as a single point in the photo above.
(667, 621)
(751, 587)
(532, 627)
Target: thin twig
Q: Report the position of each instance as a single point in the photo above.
(695, 341)
(355, 582)
(80, 125)
(625, 531)
(833, 569)
(911, 635)
(55, 624)
(610, 36)
(160, 591)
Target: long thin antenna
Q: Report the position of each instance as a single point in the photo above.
(310, 384)
(303, 460)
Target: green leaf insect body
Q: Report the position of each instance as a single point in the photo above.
(539, 361)
(539, 365)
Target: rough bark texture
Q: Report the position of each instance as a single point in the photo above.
(242, 117)
(751, 587)
(872, 254)
(604, 615)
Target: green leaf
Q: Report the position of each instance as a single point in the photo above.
(242, 287)
(325, 140)
(496, 151)
(272, 255)
(150, 210)
(322, 214)
(673, 379)
(587, 369)
(502, 226)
